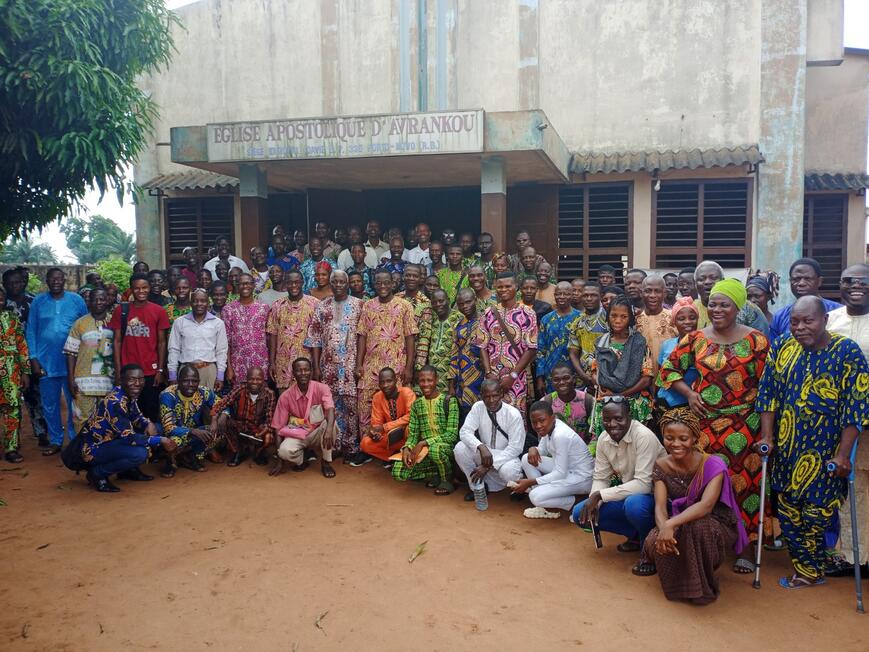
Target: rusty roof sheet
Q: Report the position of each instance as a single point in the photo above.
(848, 181)
(597, 162)
(191, 181)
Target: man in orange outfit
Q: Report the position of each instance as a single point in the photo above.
(390, 414)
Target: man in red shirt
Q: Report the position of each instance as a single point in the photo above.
(140, 338)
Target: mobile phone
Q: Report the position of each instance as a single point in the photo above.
(595, 532)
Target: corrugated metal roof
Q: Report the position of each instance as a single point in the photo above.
(849, 181)
(191, 181)
(596, 162)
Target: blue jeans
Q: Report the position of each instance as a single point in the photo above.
(633, 517)
(50, 390)
(116, 456)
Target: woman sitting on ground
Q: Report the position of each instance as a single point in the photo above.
(696, 514)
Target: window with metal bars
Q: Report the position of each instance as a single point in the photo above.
(196, 223)
(824, 237)
(594, 228)
(697, 220)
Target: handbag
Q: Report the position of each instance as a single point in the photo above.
(313, 416)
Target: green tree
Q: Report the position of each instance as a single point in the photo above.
(24, 250)
(113, 270)
(71, 115)
(97, 238)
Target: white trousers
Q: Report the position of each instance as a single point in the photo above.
(293, 450)
(495, 480)
(558, 494)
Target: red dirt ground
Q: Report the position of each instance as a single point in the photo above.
(234, 560)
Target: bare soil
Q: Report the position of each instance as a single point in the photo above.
(231, 559)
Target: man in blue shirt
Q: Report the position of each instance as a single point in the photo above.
(806, 280)
(51, 316)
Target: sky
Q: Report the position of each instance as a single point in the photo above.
(856, 36)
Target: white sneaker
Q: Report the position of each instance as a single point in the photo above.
(540, 512)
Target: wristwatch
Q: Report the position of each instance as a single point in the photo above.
(514, 375)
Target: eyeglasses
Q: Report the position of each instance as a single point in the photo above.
(606, 400)
(851, 281)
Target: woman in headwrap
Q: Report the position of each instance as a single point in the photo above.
(760, 294)
(684, 314)
(729, 359)
(622, 365)
(696, 515)
(321, 289)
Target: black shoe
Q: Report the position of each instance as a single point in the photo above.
(101, 485)
(469, 497)
(310, 455)
(43, 441)
(359, 459)
(237, 459)
(518, 498)
(261, 459)
(135, 474)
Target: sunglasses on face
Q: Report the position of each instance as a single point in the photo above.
(606, 400)
(854, 280)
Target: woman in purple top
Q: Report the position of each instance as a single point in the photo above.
(696, 515)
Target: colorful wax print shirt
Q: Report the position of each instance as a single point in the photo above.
(443, 335)
(116, 416)
(251, 415)
(451, 281)
(91, 341)
(14, 358)
(584, 334)
(307, 269)
(521, 322)
(173, 312)
(180, 414)
(385, 326)
(816, 395)
(289, 322)
(465, 365)
(246, 336)
(423, 314)
(656, 329)
(552, 342)
(333, 331)
(48, 325)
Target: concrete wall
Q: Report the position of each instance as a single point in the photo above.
(837, 105)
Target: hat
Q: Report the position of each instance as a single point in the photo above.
(681, 304)
(732, 289)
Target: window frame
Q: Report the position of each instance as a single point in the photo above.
(202, 245)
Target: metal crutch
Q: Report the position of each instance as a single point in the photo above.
(764, 451)
(855, 536)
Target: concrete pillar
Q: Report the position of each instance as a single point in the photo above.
(856, 229)
(149, 226)
(641, 220)
(782, 137)
(493, 204)
(253, 193)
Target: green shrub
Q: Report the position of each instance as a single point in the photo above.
(115, 270)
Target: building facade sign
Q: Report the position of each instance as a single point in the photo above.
(448, 132)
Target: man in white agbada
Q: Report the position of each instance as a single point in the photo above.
(491, 440)
(557, 469)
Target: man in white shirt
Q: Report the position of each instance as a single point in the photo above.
(419, 254)
(491, 440)
(852, 321)
(375, 248)
(626, 452)
(354, 235)
(557, 469)
(199, 338)
(223, 253)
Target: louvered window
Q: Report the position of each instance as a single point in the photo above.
(824, 229)
(593, 229)
(692, 221)
(196, 223)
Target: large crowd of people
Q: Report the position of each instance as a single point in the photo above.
(638, 403)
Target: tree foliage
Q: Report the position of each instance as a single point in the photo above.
(97, 238)
(24, 250)
(71, 115)
(114, 270)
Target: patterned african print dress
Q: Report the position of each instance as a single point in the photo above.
(437, 422)
(451, 281)
(385, 326)
(422, 313)
(14, 360)
(180, 414)
(333, 331)
(504, 355)
(552, 343)
(728, 378)
(465, 366)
